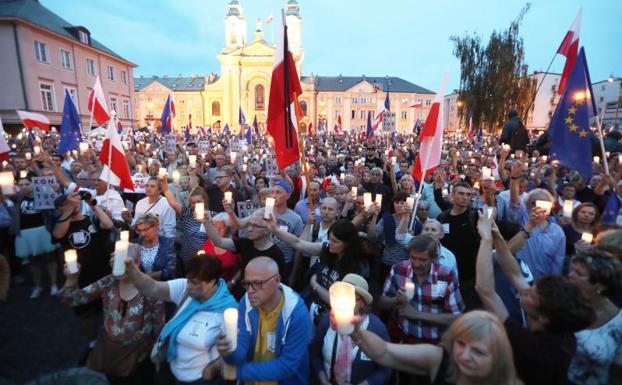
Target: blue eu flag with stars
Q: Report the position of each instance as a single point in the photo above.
(70, 133)
(570, 126)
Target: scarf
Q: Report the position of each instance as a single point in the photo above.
(217, 303)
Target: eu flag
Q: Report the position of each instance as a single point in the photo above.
(249, 135)
(370, 129)
(256, 126)
(610, 215)
(168, 114)
(70, 133)
(570, 126)
(226, 130)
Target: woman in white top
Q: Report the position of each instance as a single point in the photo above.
(188, 340)
(598, 358)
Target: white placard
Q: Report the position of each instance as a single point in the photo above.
(45, 189)
(171, 143)
(245, 209)
(203, 147)
(272, 168)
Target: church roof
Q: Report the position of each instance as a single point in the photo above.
(344, 83)
(33, 12)
(194, 83)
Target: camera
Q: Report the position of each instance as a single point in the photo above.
(87, 197)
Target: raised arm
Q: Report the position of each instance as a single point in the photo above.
(225, 243)
(485, 276)
(515, 174)
(311, 248)
(507, 262)
(170, 197)
(145, 284)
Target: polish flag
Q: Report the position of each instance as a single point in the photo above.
(569, 48)
(115, 170)
(284, 111)
(32, 119)
(97, 104)
(431, 137)
(418, 104)
(4, 146)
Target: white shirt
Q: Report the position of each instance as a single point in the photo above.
(196, 342)
(112, 201)
(165, 213)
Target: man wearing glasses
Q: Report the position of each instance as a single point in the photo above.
(216, 191)
(274, 330)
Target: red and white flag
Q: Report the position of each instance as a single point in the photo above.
(569, 48)
(268, 19)
(97, 104)
(284, 109)
(431, 137)
(32, 119)
(115, 169)
(417, 104)
(4, 146)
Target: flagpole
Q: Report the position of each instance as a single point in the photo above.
(533, 99)
(113, 116)
(599, 119)
(424, 170)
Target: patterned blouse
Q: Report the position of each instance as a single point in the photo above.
(140, 318)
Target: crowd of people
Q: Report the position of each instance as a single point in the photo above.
(501, 267)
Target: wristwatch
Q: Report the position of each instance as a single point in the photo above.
(527, 233)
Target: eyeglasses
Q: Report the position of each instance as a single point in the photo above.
(221, 177)
(144, 229)
(256, 285)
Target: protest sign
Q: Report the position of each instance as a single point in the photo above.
(45, 189)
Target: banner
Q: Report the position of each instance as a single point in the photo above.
(45, 189)
(245, 209)
(203, 147)
(171, 143)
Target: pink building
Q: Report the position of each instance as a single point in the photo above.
(43, 55)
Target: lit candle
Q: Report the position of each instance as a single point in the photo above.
(233, 156)
(507, 147)
(199, 211)
(476, 185)
(231, 332)
(6, 182)
(409, 290)
(597, 159)
(23, 174)
(229, 196)
(4, 164)
(120, 253)
(342, 176)
(28, 156)
(544, 157)
(37, 150)
(176, 176)
(367, 200)
(410, 201)
(269, 211)
(192, 160)
(161, 172)
(486, 173)
(547, 205)
(568, 207)
(84, 147)
(342, 301)
(379, 199)
(355, 190)
(393, 159)
(472, 161)
(125, 235)
(490, 210)
(587, 237)
(71, 259)
(244, 167)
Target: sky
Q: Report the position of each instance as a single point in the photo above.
(403, 38)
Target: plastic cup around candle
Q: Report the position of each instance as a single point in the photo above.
(199, 211)
(228, 196)
(379, 199)
(231, 326)
(6, 182)
(568, 207)
(269, 209)
(176, 176)
(367, 200)
(120, 253)
(587, 237)
(342, 302)
(409, 290)
(547, 205)
(125, 235)
(71, 260)
(192, 161)
(410, 201)
(161, 172)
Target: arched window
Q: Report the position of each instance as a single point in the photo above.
(303, 105)
(215, 109)
(260, 104)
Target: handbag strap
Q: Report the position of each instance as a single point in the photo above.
(155, 203)
(332, 359)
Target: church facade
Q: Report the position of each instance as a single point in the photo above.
(214, 100)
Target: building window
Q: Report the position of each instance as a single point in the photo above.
(126, 109)
(41, 52)
(65, 59)
(47, 97)
(215, 109)
(362, 114)
(355, 100)
(113, 104)
(111, 73)
(84, 37)
(337, 99)
(260, 104)
(404, 115)
(90, 67)
(124, 76)
(428, 103)
(303, 106)
(74, 97)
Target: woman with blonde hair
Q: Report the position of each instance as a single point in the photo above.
(475, 349)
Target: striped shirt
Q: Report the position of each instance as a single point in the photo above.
(193, 234)
(438, 294)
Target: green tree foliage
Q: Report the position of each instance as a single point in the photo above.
(493, 78)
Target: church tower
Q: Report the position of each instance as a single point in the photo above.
(294, 28)
(235, 27)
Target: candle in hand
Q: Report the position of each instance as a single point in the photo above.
(6, 182)
(161, 172)
(568, 207)
(71, 259)
(125, 235)
(228, 196)
(587, 237)
(486, 173)
(192, 160)
(367, 200)
(231, 326)
(83, 147)
(199, 211)
(120, 253)
(410, 201)
(342, 301)
(409, 290)
(379, 199)
(269, 210)
(176, 176)
(547, 205)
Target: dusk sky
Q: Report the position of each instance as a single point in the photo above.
(409, 39)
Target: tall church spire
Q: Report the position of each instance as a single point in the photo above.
(235, 27)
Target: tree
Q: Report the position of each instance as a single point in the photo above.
(493, 78)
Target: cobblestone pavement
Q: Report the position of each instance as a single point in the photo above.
(37, 336)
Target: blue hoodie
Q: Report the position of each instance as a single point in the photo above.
(293, 334)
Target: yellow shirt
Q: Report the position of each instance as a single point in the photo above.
(265, 346)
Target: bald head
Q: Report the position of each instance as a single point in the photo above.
(263, 266)
(262, 279)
